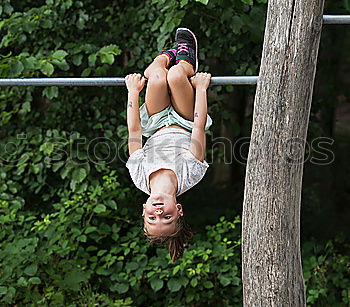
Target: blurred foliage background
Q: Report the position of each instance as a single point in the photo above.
(70, 216)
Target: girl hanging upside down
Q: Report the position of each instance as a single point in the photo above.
(174, 119)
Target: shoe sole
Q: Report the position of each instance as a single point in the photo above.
(195, 39)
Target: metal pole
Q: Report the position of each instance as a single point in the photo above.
(234, 80)
(336, 19)
(63, 82)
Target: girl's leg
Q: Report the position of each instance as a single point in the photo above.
(181, 89)
(157, 95)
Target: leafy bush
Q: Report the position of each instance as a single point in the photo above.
(64, 230)
(326, 272)
(66, 234)
(86, 246)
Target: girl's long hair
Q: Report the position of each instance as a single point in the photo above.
(176, 242)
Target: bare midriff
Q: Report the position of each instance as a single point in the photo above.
(173, 126)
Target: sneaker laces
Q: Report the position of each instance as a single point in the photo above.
(173, 51)
(183, 47)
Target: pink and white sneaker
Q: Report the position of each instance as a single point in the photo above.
(187, 47)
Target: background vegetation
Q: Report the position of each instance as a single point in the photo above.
(70, 228)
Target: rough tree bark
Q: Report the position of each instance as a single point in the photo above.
(272, 272)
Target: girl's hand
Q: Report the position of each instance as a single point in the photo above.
(200, 80)
(134, 82)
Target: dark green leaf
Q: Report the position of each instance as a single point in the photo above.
(107, 58)
(224, 280)
(86, 72)
(76, 59)
(174, 285)
(59, 54)
(31, 269)
(16, 68)
(120, 288)
(34, 280)
(100, 208)
(208, 284)
(47, 68)
(51, 92)
(79, 174)
(156, 284)
(73, 279)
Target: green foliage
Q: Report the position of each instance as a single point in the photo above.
(54, 258)
(347, 5)
(326, 273)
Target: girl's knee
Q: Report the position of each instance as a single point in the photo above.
(158, 75)
(176, 74)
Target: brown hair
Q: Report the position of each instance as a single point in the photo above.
(175, 242)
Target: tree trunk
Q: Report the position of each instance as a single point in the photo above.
(272, 272)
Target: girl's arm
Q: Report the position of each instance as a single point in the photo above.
(134, 83)
(198, 140)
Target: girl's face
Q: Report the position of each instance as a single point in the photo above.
(160, 213)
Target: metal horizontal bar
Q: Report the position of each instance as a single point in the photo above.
(234, 80)
(101, 81)
(63, 82)
(336, 19)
